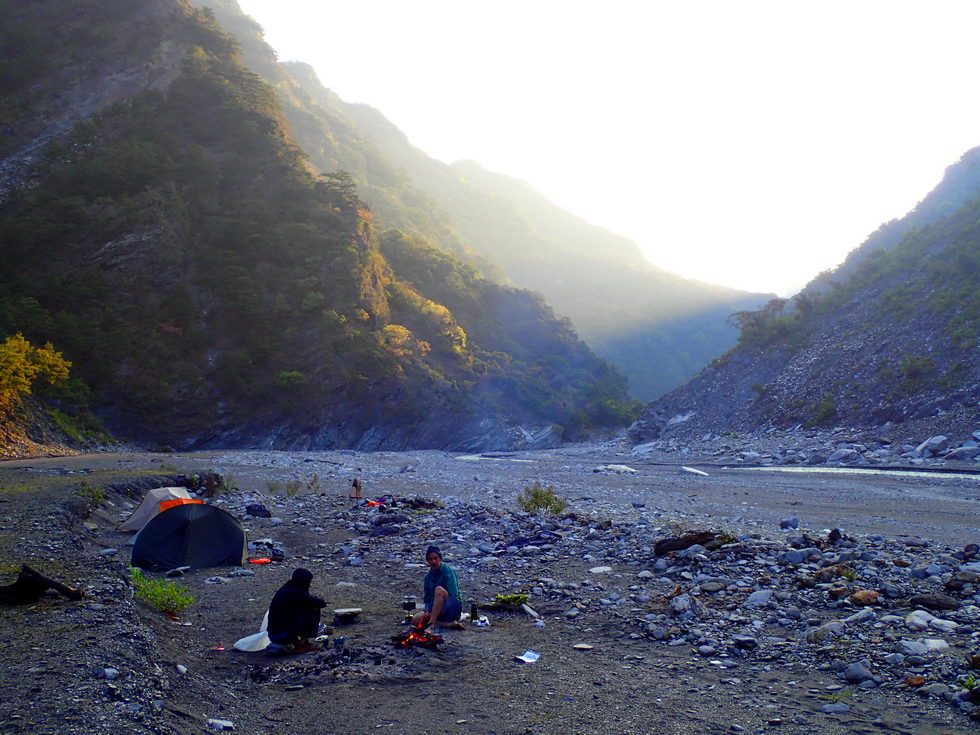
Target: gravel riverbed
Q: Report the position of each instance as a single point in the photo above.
(769, 626)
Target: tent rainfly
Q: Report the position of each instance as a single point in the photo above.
(194, 535)
(151, 506)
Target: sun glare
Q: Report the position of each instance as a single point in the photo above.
(751, 144)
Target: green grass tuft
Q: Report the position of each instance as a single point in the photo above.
(536, 498)
(160, 594)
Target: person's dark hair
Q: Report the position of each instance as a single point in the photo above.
(433, 550)
(302, 577)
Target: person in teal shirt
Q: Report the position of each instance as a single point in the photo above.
(441, 601)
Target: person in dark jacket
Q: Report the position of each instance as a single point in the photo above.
(294, 614)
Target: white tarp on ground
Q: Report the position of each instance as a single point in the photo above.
(150, 506)
(257, 641)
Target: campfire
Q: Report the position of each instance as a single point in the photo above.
(417, 637)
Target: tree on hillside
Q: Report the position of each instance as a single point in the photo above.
(21, 363)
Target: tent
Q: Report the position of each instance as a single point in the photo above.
(151, 506)
(194, 535)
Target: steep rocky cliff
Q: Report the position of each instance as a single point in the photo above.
(894, 341)
(163, 229)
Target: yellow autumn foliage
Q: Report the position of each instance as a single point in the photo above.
(21, 363)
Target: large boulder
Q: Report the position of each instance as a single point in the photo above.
(963, 453)
(932, 446)
(845, 456)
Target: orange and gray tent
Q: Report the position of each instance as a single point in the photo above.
(151, 506)
(194, 535)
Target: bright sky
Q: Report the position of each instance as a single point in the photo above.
(749, 143)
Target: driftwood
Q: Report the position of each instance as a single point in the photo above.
(682, 542)
(31, 584)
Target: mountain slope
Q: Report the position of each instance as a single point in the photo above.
(896, 340)
(959, 186)
(658, 328)
(168, 236)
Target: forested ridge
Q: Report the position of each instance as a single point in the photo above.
(211, 287)
(658, 329)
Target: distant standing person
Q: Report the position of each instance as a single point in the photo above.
(355, 488)
(440, 594)
(294, 614)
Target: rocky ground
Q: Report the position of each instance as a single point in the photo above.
(769, 624)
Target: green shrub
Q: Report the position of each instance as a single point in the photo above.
(914, 369)
(510, 600)
(160, 594)
(288, 378)
(293, 488)
(536, 498)
(93, 495)
(822, 412)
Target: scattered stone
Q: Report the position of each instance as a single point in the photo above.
(857, 673)
(937, 689)
(758, 598)
(679, 543)
(934, 601)
(864, 597)
(745, 641)
(683, 606)
(922, 646)
(823, 632)
(712, 587)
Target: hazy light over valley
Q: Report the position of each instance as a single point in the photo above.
(750, 144)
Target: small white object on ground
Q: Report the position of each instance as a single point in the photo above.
(529, 656)
(619, 469)
(693, 471)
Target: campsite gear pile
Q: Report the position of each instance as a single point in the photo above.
(266, 548)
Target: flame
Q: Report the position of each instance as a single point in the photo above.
(416, 637)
